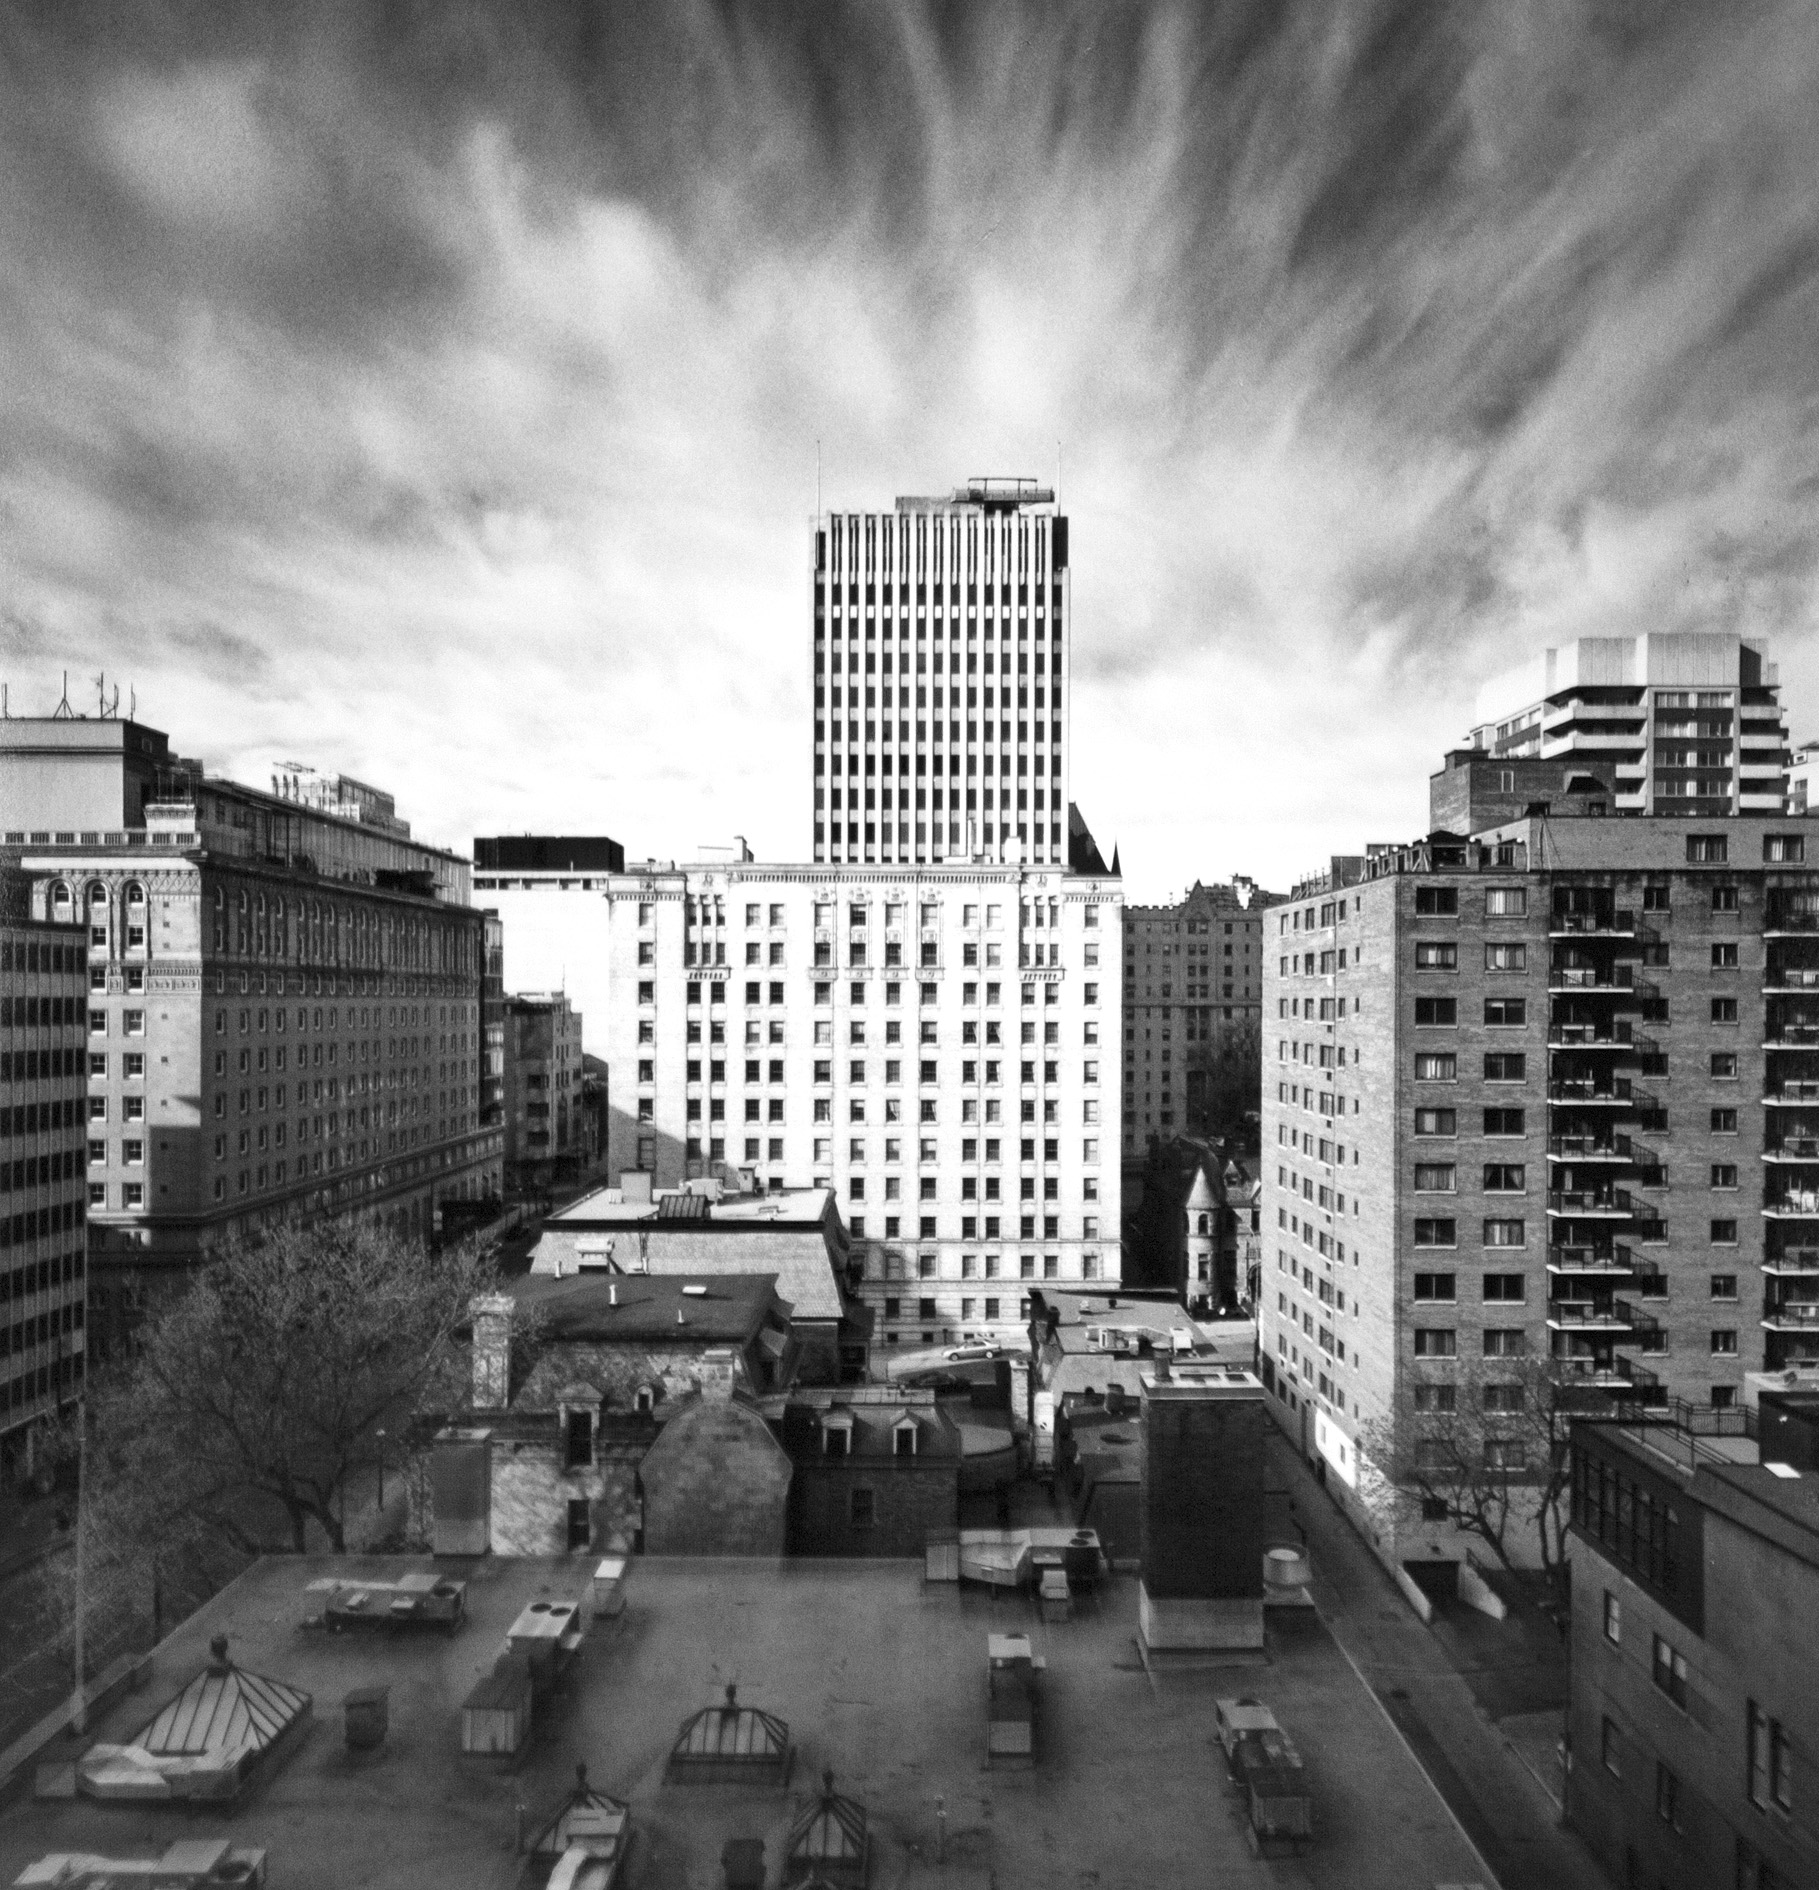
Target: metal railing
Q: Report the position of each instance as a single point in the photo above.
(1590, 1259)
(1606, 923)
(1589, 1200)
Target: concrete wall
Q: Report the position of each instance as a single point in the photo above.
(532, 1491)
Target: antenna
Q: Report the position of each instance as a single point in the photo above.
(63, 712)
(817, 478)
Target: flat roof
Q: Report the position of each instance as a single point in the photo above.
(727, 1307)
(879, 1676)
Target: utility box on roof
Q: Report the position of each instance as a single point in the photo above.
(496, 1715)
(461, 1485)
(1010, 1720)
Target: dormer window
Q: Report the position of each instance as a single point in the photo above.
(903, 1436)
(837, 1434)
(578, 1437)
(645, 1401)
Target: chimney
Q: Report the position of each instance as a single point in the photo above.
(716, 1374)
(612, 1292)
(492, 1317)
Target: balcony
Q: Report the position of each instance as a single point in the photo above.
(1577, 1203)
(1791, 978)
(1779, 924)
(1793, 1094)
(1792, 1315)
(1585, 1315)
(1589, 1148)
(1632, 1316)
(1793, 1148)
(1607, 924)
(1793, 1263)
(1592, 978)
(1607, 1262)
(1792, 1037)
(1583, 1036)
(1795, 1204)
(1587, 1090)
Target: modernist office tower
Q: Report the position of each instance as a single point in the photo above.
(940, 670)
(1679, 723)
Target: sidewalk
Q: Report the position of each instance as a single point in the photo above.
(1503, 1807)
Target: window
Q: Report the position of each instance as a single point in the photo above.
(1504, 1342)
(1437, 901)
(1724, 1122)
(1437, 1068)
(1501, 1397)
(1503, 1013)
(579, 1439)
(1724, 1286)
(1436, 1122)
(1724, 958)
(1667, 1795)
(1441, 1286)
(1506, 958)
(1669, 1670)
(864, 1508)
(1505, 1233)
(1436, 1010)
(1724, 1174)
(1503, 1453)
(1724, 1343)
(1434, 1177)
(1503, 1122)
(1505, 1177)
(1437, 1398)
(1724, 1010)
(1505, 902)
(1706, 849)
(1655, 899)
(1724, 1064)
(1436, 1233)
(1507, 1288)
(1436, 1342)
(1436, 957)
(1613, 1621)
(1770, 1761)
(1783, 848)
(1608, 1749)
(1505, 1066)
(1724, 1233)
(1724, 898)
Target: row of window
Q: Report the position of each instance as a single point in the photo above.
(756, 993)
(713, 1109)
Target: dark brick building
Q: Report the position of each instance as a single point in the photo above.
(1692, 1724)
(876, 1468)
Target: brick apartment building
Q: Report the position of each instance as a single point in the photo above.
(547, 1131)
(43, 1127)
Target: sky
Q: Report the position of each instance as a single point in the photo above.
(435, 391)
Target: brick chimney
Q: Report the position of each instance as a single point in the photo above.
(492, 1317)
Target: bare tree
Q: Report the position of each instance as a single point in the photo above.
(1489, 1451)
(269, 1383)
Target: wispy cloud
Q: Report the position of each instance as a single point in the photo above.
(437, 390)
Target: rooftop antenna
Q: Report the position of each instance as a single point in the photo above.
(63, 712)
(817, 478)
(6, 714)
(132, 704)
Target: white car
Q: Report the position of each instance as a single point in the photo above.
(970, 1351)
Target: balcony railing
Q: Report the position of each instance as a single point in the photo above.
(1792, 1315)
(1788, 921)
(1804, 1036)
(1791, 978)
(1589, 1148)
(1585, 1315)
(1586, 1089)
(1583, 1036)
(1793, 1201)
(1792, 1262)
(1632, 1315)
(1589, 1201)
(1605, 924)
(1613, 1260)
(1591, 978)
(1795, 1148)
(1792, 1092)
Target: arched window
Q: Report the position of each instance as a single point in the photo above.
(97, 898)
(62, 905)
(135, 894)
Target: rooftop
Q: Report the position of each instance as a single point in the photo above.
(724, 1309)
(876, 1675)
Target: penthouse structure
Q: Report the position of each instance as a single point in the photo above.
(1680, 723)
(1193, 989)
(934, 1044)
(940, 661)
(43, 1108)
(282, 1000)
(1548, 1091)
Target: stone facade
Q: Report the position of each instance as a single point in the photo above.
(716, 1482)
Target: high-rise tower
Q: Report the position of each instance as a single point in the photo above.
(940, 657)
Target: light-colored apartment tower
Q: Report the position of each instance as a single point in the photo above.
(1193, 985)
(940, 657)
(1678, 723)
(1549, 1091)
(938, 1045)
